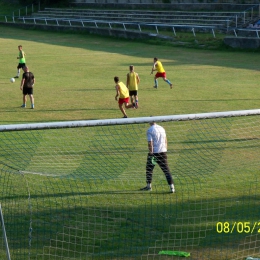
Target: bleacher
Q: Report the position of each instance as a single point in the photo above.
(152, 20)
(220, 20)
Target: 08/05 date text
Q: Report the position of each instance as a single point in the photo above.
(239, 227)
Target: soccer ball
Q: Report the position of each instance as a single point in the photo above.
(12, 80)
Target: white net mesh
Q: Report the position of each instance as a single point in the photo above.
(74, 193)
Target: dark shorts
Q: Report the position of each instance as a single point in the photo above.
(21, 65)
(132, 92)
(27, 91)
(123, 100)
(160, 75)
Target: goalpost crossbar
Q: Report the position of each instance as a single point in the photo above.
(123, 121)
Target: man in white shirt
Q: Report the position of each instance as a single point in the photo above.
(157, 146)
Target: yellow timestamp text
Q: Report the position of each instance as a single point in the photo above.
(238, 227)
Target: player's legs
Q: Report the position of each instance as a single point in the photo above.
(149, 172)
(136, 101)
(122, 109)
(127, 105)
(30, 94)
(18, 71)
(24, 100)
(155, 82)
(20, 65)
(134, 98)
(161, 159)
(25, 93)
(167, 81)
(32, 100)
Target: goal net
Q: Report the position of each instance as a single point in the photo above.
(71, 190)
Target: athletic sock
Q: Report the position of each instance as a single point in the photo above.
(156, 82)
(168, 81)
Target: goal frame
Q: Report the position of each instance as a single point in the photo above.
(122, 121)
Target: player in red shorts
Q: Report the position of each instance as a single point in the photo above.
(123, 93)
(157, 66)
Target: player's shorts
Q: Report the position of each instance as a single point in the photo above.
(27, 91)
(21, 65)
(123, 100)
(132, 92)
(160, 75)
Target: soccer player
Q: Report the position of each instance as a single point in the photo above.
(157, 146)
(21, 57)
(27, 84)
(123, 93)
(132, 82)
(157, 66)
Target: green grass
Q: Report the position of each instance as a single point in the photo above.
(74, 77)
(74, 81)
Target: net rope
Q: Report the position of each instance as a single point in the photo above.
(74, 193)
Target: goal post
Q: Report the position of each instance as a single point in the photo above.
(123, 121)
(71, 190)
(8, 257)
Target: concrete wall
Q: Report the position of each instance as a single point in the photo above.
(242, 42)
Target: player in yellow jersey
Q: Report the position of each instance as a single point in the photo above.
(132, 82)
(21, 57)
(157, 66)
(123, 93)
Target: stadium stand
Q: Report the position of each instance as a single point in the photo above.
(220, 20)
(124, 19)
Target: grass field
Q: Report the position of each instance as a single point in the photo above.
(75, 73)
(215, 164)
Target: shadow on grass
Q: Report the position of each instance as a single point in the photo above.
(109, 45)
(104, 223)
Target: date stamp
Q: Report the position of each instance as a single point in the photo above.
(238, 227)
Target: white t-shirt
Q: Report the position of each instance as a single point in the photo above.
(157, 135)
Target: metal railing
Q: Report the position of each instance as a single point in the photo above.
(111, 24)
(247, 31)
(249, 14)
(231, 24)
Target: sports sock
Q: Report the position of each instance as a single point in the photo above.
(156, 82)
(168, 81)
